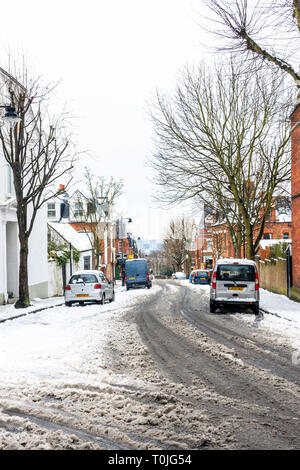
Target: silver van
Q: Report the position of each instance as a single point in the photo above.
(234, 282)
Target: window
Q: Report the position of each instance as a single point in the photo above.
(286, 235)
(83, 279)
(209, 245)
(232, 272)
(78, 211)
(91, 208)
(86, 262)
(51, 210)
(268, 236)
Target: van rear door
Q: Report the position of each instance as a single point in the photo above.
(235, 282)
(136, 271)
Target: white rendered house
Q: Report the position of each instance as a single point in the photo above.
(9, 244)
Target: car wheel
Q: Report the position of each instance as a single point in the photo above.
(113, 297)
(68, 304)
(212, 307)
(102, 301)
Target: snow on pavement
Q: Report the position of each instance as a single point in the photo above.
(59, 343)
(281, 316)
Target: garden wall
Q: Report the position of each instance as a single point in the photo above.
(272, 275)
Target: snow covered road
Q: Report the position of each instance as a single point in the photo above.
(152, 370)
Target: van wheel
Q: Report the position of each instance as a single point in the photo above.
(255, 309)
(68, 304)
(102, 301)
(212, 307)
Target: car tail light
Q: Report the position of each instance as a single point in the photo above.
(68, 287)
(125, 278)
(256, 282)
(97, 286)
(147, 276)
(214, 284)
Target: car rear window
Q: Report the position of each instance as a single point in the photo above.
(202, 274)
(85, 278)
(235, 272)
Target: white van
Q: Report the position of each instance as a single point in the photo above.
(235, 282)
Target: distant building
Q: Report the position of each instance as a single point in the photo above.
(203, 241)
(146, 247)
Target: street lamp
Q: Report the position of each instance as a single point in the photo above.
(10, 116)
(120, 226)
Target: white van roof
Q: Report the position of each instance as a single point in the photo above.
(235, 261)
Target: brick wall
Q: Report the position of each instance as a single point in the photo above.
(295, 142)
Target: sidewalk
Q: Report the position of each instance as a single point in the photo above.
(9, 312)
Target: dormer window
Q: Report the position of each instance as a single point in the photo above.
(78, 209)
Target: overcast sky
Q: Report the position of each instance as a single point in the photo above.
(111, 56)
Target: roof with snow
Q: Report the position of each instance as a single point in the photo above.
(78, 240)
(235, 261)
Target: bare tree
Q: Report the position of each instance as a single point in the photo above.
(39, 151)
(267, 32)
(96, 206)
(218, 239)
(224, 138)
(176, 241)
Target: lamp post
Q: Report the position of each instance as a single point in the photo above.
(122, 252)
(10, 116)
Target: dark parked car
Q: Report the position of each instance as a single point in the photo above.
(137, 274)
(202, 276)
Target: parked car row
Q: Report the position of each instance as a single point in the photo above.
(92, 285)
(232, 282)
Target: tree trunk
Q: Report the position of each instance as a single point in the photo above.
(250, 246)
(24, 300)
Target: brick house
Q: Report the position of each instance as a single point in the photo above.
(277, 227)
(295, 149)
(203, 242)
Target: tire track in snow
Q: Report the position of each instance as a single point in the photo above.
(51, 425)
